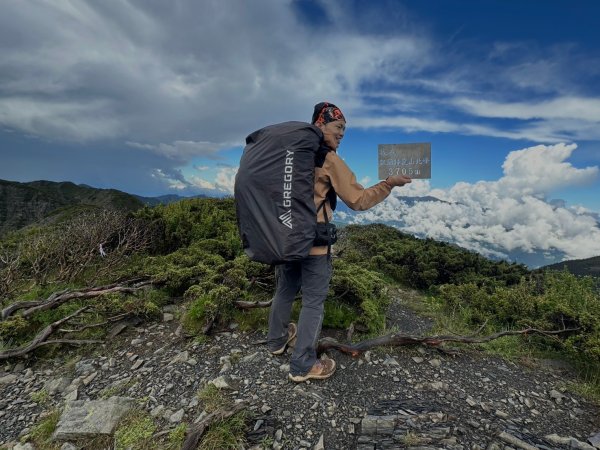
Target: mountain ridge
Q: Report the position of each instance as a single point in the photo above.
(23, 204)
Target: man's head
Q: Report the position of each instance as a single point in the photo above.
(331, 122)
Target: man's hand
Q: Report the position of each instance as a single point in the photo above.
(397, 180)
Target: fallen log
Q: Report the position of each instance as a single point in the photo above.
(400, 339)
(196, 431)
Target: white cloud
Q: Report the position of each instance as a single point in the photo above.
(196, 72)
(224, 181)
(182, 150)
(587, 109)
(201, 183)
(171, 180)
(499, 217)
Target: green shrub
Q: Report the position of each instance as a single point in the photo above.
(551, 301)
(362, 289)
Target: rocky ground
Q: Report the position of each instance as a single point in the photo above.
(389, 398)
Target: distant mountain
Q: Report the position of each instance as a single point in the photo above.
(589, 266)
(22, 204)
(164, 199)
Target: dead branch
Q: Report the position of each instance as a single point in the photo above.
(250, 305)
(113, 319)
(58, 298)
(41, 338)
(195, 432)
(400, 339)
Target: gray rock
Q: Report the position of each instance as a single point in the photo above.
(72, 396)
(27, 446)
(390, 361)
(136, 365)
(177, 416)
(557, 396)
(221, 383)
(180, 358)
(57, 385)
(510, 439)
(595, 440)
(84, 367)
(278, 435)
(82, 419)
(68, 446)
(87, 380)
(250, 358)
(157, 410)
(570, 442)
(8, 379)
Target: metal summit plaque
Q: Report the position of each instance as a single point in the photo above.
(412, 160)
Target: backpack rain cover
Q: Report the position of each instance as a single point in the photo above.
(274, 192)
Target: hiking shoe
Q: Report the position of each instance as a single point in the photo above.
(292, 330)
(322, 369)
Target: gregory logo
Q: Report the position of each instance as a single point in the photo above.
(286, 218)
(288, 168)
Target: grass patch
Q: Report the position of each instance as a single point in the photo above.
(225, 435)
(212, 398)
(41, 397)
(177, 436)
(135, 431)
(118, 388)
(410, 439)
(256, 319)
(588, 382)
(41, 434)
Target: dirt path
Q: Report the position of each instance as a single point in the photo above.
(389, 398)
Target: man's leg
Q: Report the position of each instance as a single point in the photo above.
(316, 274)
(288, 278)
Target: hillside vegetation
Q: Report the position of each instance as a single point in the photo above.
(583, 267)
(22, 204)
(189, 252)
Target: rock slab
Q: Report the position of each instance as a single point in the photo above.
(91, 418)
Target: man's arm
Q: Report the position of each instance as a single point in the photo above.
(351, 191)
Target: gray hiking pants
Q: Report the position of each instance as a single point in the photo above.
(312, 275)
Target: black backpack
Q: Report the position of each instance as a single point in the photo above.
(274, 192)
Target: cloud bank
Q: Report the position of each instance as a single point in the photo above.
(204, 73)
(502, 217)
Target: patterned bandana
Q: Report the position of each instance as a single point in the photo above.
(326, 112)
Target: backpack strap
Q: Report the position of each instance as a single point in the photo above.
(322, 206)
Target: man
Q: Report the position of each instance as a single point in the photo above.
(313, 274)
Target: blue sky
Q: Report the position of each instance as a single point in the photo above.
(157, 97)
